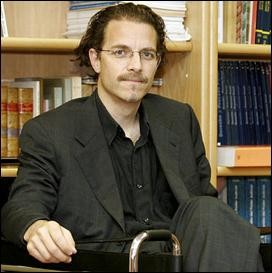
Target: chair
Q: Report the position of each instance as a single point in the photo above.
(17, 259)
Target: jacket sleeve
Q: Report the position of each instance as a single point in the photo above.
(33, 194)
(202, 162)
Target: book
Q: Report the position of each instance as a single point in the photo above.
(244, 156)
(4, 97)
(236, 195)
(57, 91)
(264, 205)
(253, 21)
(12, 123)
(25, 106)
(36, 86)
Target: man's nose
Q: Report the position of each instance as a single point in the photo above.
(135, 62)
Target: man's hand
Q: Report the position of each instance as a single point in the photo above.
(49, 242)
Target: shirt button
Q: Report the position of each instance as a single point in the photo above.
(147, 221)
(139, 186)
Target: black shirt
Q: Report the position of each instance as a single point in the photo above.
(145, 194)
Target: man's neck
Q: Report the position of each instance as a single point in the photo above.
(124, 113)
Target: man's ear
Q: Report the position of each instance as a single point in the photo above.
(94, 59)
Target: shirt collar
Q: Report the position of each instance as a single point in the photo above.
(111, 127)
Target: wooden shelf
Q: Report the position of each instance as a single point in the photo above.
(244, 171)
(244, 51)
(9, 171)
(14, 44)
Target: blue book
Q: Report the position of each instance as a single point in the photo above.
(266, 96)
(256, 123)
(251, 200)
(234, 106)
(236, 195)
(239, 103)
(244, 102)
(91, 5)
(260, 91)
(251, 130)
(221, 136)
(264, 205)
(228, 103)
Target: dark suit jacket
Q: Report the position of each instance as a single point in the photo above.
(66, 172)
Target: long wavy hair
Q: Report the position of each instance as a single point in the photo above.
(94, 35)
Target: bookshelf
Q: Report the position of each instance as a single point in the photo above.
(35, 52)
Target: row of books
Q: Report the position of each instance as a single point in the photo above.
(172, 12)
(250, 197)
(244, 103)
(25, 98)
(244, 22)
(261, 14)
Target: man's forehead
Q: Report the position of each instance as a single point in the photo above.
(118, 29)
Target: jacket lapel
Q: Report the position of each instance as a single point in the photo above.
(92, 154)
(168, 148)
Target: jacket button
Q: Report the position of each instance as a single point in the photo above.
(139, 186)
(147, 221)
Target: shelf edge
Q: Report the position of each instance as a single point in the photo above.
(18, 44)
(243, 171)
(8, 171)
(244, 50)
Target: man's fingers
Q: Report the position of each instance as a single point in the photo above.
(49, 242)
(60, 237)
(52, 248)
(38, 250)
(69, 238)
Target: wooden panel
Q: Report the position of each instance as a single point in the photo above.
(36, 65)
(47, 20)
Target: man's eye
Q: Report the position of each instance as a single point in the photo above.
(148, 55)
(119, 53)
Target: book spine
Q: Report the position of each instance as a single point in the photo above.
(260, 9)
(221, 110)
(25, 106)
(260, 88)
(251, 200)
(256, 119)
(264, 205)
(254, 21)
(239, 11)
(12, 123)
(4, 97)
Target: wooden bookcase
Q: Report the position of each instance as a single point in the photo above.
(36, 48)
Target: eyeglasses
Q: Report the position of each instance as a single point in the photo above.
(125, 53)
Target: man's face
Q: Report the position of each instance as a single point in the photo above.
(126, 78)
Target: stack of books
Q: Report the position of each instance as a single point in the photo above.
(172, 12)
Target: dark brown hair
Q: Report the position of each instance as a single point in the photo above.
(94, 35)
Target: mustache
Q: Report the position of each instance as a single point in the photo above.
(132, 77)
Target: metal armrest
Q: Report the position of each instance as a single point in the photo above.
(154, 235)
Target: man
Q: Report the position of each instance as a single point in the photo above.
(122, 161)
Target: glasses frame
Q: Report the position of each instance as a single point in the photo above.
(131, 53)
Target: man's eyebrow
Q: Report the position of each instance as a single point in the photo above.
(122, 46)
